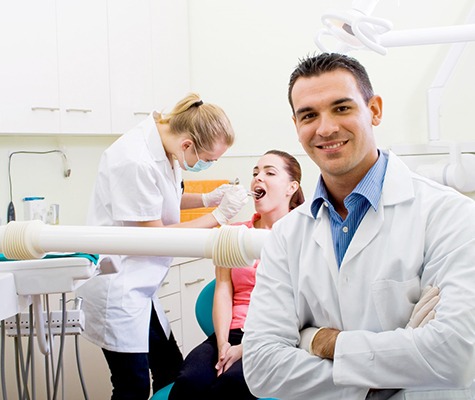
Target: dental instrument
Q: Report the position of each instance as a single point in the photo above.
(259, 193)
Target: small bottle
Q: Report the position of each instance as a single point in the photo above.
(35, 208)
(53, 215)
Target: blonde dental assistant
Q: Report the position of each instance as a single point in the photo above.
(139, 184)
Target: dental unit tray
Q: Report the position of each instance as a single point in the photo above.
(55, 273)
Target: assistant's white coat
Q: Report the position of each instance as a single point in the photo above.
(117, 306)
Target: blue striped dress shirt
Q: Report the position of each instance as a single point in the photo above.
(365, 195)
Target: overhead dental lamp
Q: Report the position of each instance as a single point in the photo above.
(356, 29)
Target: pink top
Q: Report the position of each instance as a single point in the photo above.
(243, 280)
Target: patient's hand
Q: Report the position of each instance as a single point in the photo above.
(228, 355)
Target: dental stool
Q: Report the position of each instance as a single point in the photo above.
(204, 316)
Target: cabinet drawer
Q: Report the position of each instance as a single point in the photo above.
(172, 306)
(195, 275)
(171, 283)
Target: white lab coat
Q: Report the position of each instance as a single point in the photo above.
(422, 233)
(135, 182)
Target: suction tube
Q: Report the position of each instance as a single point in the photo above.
(228, 246)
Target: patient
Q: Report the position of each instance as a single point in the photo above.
(213, 370)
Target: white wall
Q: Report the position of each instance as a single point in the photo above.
(42, 175)
(242, 53)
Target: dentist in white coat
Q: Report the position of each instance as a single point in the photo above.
(329, 317)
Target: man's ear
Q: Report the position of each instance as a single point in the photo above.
(376, 106)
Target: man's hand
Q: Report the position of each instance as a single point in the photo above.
(323, 343)
(319, 341)
(424, 311)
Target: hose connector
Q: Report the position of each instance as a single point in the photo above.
(19, 238)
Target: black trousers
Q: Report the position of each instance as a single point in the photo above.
(130, 372)
(198, 377)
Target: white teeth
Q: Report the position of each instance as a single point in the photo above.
(333, 146)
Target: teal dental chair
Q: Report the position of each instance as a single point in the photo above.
(204, 316)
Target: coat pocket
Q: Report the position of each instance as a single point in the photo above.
(394, 301)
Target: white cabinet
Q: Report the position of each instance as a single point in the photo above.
(178, 295)
(83, 67)
(29, 87)
(193, 278)
(149, 58)
(90, 66)
(130, 52)
(54, 69)
(171, 52)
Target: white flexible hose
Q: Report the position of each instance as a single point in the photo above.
(40, 324)
(229, 246)
(226, 249)
(17, 240)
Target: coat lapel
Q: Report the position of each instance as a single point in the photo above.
(323, 238)
(397, 188)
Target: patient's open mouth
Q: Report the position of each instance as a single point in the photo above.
(259, 193)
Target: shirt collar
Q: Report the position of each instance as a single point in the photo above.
(370, 186)
(153, 139)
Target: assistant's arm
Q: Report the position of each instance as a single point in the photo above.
(191, 200)
(210, 199)
(230, 204)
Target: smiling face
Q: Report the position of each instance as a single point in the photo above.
(274, 186)
(334, 125)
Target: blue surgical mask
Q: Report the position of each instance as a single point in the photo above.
(200, 165)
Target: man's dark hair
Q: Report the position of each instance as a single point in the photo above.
(328, 62)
